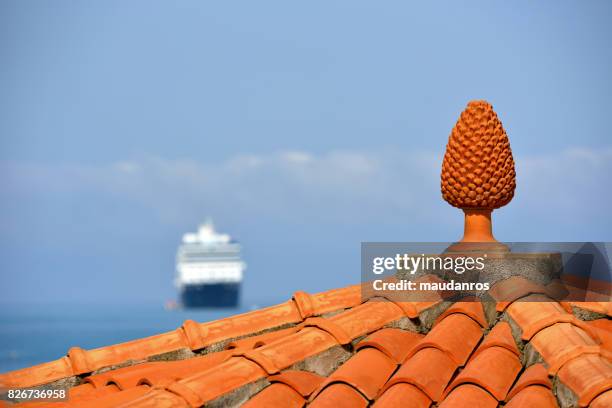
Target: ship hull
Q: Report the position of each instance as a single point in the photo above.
(210, 295)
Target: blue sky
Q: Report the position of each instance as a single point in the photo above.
(302, 129)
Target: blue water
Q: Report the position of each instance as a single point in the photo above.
(33, 334)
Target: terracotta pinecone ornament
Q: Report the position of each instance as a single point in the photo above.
(478, 169)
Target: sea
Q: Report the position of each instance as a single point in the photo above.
(34, 334)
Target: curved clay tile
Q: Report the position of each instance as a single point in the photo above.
(561, 342)
(469, 395)
(191, 335)
(338, 396)
(534, 314)
(603, 401)
(329, 326)
(158, 373)
(211, 384)
(494, 369)
(499, 336)
(395, 343)
(276, 395)
(367, 317)
(367, 371)
(533, 396)
(296, 347)
(513, 288)
(86, 392)
(303, 382)
(604, 308)
(533, 375)
(457, 335)
(336, 299)
(403, 395)
(471, 309)
(261, 339)
(603, 328)
(126, 396)
(587, 376)
(430, 370)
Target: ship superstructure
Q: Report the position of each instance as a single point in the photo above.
(209, 269)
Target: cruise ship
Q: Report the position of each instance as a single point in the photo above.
(209, 269)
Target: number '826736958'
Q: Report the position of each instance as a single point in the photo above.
(33, 394)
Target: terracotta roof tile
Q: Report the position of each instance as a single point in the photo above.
(253, 342)
(334, 299)
(533, 375)
(603, 329)
(561, 342)
(603, 401)
(191, 335)
(367, 371)
(533, 316)
(494, 369)
(395, 343)
(533, 396)
(304, 382)
(152, 399)
(276, 395)
(403, 395)
(339, 395)
(367, 317)
(210, 384)
(471, 309)
(88, 388)
(296, 347)
(604, 308)
(430, 370)
(252, 365)
(384, 353)
(506, 291)
(157, 373)
(587, 376)
(118, 398)
(457, 335)
(499, 336)
(469, 395)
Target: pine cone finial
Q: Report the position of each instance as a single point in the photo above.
(478, 169)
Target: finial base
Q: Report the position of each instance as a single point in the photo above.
(478, 229)
(477, 226)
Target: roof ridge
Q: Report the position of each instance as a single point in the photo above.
(191, 335)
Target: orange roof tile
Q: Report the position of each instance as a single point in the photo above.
(339, 395)
(403, 395)
(303, 382)
(602, 401)
(395, 343)
(472, 309)
(604, 308)
(380, 353)
(276, 395)
(509, 290)
(587, 376)
(534, 396)
(429, 370)
(469, 395)
(561, 342)
(499, 336)
(603, 329)
(456, 335)
(494, 369)
(367, 371)
(533, 375)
